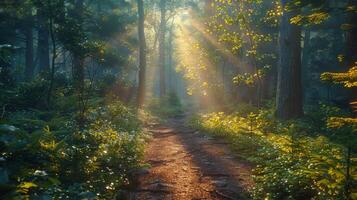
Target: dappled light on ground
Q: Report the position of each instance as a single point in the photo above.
(188, 165)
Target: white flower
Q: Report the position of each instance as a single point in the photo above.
(40, 173)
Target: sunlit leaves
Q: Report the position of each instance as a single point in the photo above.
(251, 79)
(273, 15)
(25, 187)
(194, 64)
(248, 79)
(297, 20)
(340, 58)
(351, 8)
(238, 26)
(347, 79)
(237, 16)
(339, 122)
(318, 17)
(347, 27)
(314, 18)
(287, 166)
(96, 159)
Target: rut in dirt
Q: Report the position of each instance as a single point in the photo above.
(188, 165)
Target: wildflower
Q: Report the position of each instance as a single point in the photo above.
(40, 173)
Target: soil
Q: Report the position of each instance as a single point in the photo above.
(188, 165)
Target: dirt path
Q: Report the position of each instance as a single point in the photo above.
(186, 165)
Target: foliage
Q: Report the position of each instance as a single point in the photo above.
(25, 95)
(64, 135)
(313, 18)
(168, 106)
(53, 158)
(348, 79)
(338, 122)
(249, 20)
(289, 163)
(347, 124)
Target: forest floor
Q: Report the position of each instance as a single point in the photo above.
(188, 165)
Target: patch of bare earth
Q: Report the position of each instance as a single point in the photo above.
(187, 165)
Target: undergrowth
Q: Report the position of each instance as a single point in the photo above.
(46, 155)
(299, 159)
(166, 107)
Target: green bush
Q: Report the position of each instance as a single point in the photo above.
(31, 94)
(46, 155)
(168, 106)
(289, 163)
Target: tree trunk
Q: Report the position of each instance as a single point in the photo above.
(54, 54)
(78, 72)
(351, 57)
(348, 174)
(29, 70)
(43, 54)
(5, 75)
(162, 48)
(171, 70)
(78, 76)
(305, 61)
(142, 55)
(289, 89)
(351, 41)
(78, 67)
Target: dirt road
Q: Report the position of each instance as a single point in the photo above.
(187, 165)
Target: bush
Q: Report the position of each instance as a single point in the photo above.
(289, 163)
(168, 106)
(25, 95)
(49, 157)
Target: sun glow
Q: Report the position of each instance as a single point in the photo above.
(194, 63)
(202, 58)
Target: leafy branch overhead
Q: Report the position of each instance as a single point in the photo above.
(347, 79)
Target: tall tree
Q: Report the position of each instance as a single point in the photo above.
(142, 54)
(43, 55)
(162, 34)
(351, 37)
(77, 47)
(170, 57)
(29, 65)
(54, 50)
(289, 103)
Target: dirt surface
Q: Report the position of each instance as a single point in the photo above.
(188, 165)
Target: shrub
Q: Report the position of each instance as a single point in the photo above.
(45, 155)
(289, 163)
(29, 95)
(168, 106)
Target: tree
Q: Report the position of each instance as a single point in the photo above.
(347, 124)
(73, 36)
(289, 102)
(54, 51)
(28, 32)
(142, 54)
(170, 63)
(43, 52)
(162, 34)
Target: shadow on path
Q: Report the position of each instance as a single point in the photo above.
(188, 165)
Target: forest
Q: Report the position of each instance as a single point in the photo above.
(178, 99)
